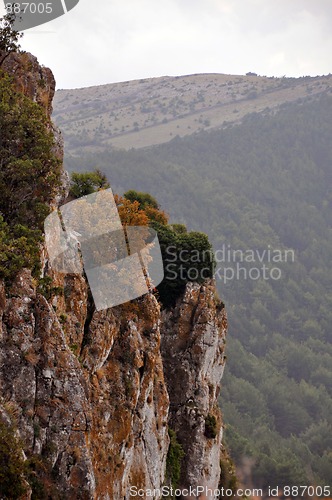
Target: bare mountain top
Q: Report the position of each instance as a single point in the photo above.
(151, 111)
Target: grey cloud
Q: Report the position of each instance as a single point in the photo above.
(134, 39)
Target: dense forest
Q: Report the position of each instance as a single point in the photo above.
(264, 185)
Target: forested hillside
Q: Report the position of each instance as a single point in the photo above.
(262, 185)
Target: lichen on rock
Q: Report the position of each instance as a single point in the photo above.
(95, 392)
(193, 342)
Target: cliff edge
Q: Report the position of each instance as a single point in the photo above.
(97, 401)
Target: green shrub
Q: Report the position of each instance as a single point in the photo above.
(74, 349)
(29, 177)
(63, 318)
(83, 184)
(144, 199)
(30, 172)
(35, 470)
(174, 459)
(11, 464)
(186, 257)
(19, 248)
(46, 288)
(179, 228)
(211, 427)
(228, 478)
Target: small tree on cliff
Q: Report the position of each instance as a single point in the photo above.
(9, 37)
(85, 183)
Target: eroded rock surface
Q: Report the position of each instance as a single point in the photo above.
(92, 394)
(193, 342)
(30, 78)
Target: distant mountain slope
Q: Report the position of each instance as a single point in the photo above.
(152, 111)
(265, 183)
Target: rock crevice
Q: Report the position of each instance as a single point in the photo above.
(95, 392)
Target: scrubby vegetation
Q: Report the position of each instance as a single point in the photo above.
(187, 256)
(18, 474)
(211, 428)
(155, 110)
(12, 466)
(174, 458)
(144, 199)
(9, 37)
(29, 176)
(265, 182)
(228, 479)
(86, 183)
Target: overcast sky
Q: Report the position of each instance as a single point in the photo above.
(106, 41)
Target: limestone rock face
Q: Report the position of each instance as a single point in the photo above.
(123, 368)
(89, 387)
(33, 80)
(93, 394)
(42, 377)
(193, 341)
(90, 393)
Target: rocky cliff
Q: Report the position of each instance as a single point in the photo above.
(193, 341)
(33, 80)
(91, 397)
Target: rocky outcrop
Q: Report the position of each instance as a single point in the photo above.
(33, 80)
(42, 377)
(92, 394)
(89, 387)
(38, 84)
(193, 342)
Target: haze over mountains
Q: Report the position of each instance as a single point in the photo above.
(263, 183)
(152, 111)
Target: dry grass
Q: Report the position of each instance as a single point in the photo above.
(12, 409)
(31, 357)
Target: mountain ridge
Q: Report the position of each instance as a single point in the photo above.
(146, 112)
